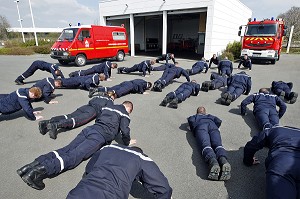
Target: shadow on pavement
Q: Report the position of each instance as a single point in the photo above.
(198, 162)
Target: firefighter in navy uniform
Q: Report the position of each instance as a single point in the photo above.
(184, 91)
(129, 164)
(214, 60)
(167, 57)
(48, 85)
(236, 85)
(246, 62)
(83, 82)
(143, 67)
(198, 67)
(168, 75)
(217, 81)
(104, 68)
(163, 67)
(79, 117)
(114, 119)
(205, 128)
(264, 108)
(282, 163)
(284, 91)
(225, 67)
(40, 65)
(20, 99)
(133, 86)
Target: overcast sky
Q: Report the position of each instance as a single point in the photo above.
(59, 13)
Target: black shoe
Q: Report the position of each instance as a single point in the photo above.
(34, 178)
(92, 91)
(174, 103)
(214, 169)
(225, 170)
(72, 74)
(293, 97)
(212, 87)
(52, 130)
(204, 87)
(165, 101)
(43, 126)
(158, 88)
(19, 82)
(23, 170)
(119, 71)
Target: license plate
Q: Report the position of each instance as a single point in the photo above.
(255, 55)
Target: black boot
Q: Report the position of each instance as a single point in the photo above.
(19, 80)
(157, 87)
(92, 91)
(165, 101)
(43, 126)
(120, 70)
(174, 103)
(188, 71)
(293, 97)
(212, 86)
(53, 129)
(72, 74)
(204, 87)
(226, 169)
(214, 169)
(23, 170)
(34, 178)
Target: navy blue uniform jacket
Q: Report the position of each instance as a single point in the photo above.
(282, 141)
(241, 80)
(225, 64)
(112, 120)
(200, 65)
(84, 82)
(112, 170)
(99, 102)
(144, 66)
(16, 101)
(180, 71)
(263, 101)
(51, 68)
(47, 87)
(198, 120)
(104, 67)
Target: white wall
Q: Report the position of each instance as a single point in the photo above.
(118, 7)
(224, 19)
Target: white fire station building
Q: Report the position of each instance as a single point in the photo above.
(204, 27)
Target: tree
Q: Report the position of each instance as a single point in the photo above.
(3, 25)
(291, 18)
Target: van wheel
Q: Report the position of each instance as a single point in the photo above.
(120, 56)
(273, 61)
(80, 60)
(63, 62)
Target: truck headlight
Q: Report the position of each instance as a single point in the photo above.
(65, 53)
(51, 53)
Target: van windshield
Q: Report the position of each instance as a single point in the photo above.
(261, 30)
(68, 34)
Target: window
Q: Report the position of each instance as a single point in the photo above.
(119, 36)
(261, 30)
(68, 34)
(85, 34)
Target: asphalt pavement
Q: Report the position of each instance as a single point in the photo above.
(161, 131)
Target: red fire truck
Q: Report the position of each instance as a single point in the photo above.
(263, 39)
(86, 42)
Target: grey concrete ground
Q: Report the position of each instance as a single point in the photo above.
(160, 131)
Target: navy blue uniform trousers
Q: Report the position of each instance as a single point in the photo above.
(209, 140)
(81, 116)
(235, 91)
(267, 116)
(87, 142)
(180, 93)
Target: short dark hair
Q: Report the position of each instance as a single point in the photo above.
(149, 85)
(263, 90)
(201, 110)
(129, 104)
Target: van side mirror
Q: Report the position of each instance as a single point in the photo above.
(240, 28)
(285, 27)
(284, 32)
(239, 33)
